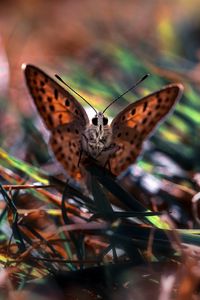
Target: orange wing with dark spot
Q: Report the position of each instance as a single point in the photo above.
(55, 104)
(62, 114)
(132, 126)
(66, 145)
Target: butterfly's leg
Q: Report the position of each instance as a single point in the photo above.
(108, 152)
(84, 142)
(80, 155)
(83, 147)
(107, 163)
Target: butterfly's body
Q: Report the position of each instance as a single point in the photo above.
(73, 138)
(96, 140)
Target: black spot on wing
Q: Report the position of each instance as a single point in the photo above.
(67, 103)
(133, 111)
(56, 94)
(145, 106)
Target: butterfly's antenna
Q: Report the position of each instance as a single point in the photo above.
(133, 87)
(59, 78)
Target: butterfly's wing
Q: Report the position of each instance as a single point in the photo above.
(55, 105)
(132, 126)
(66, 144)
(62, 114)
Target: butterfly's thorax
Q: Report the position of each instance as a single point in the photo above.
(97, 139)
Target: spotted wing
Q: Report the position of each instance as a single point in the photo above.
(65, 143)
(62, 114)
(55, 105)
(132, 126)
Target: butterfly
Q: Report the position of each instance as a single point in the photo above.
(74, 138)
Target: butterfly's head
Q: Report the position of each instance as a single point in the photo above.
(99, 119)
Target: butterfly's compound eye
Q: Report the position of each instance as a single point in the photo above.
(105, 121)
(95, 121)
